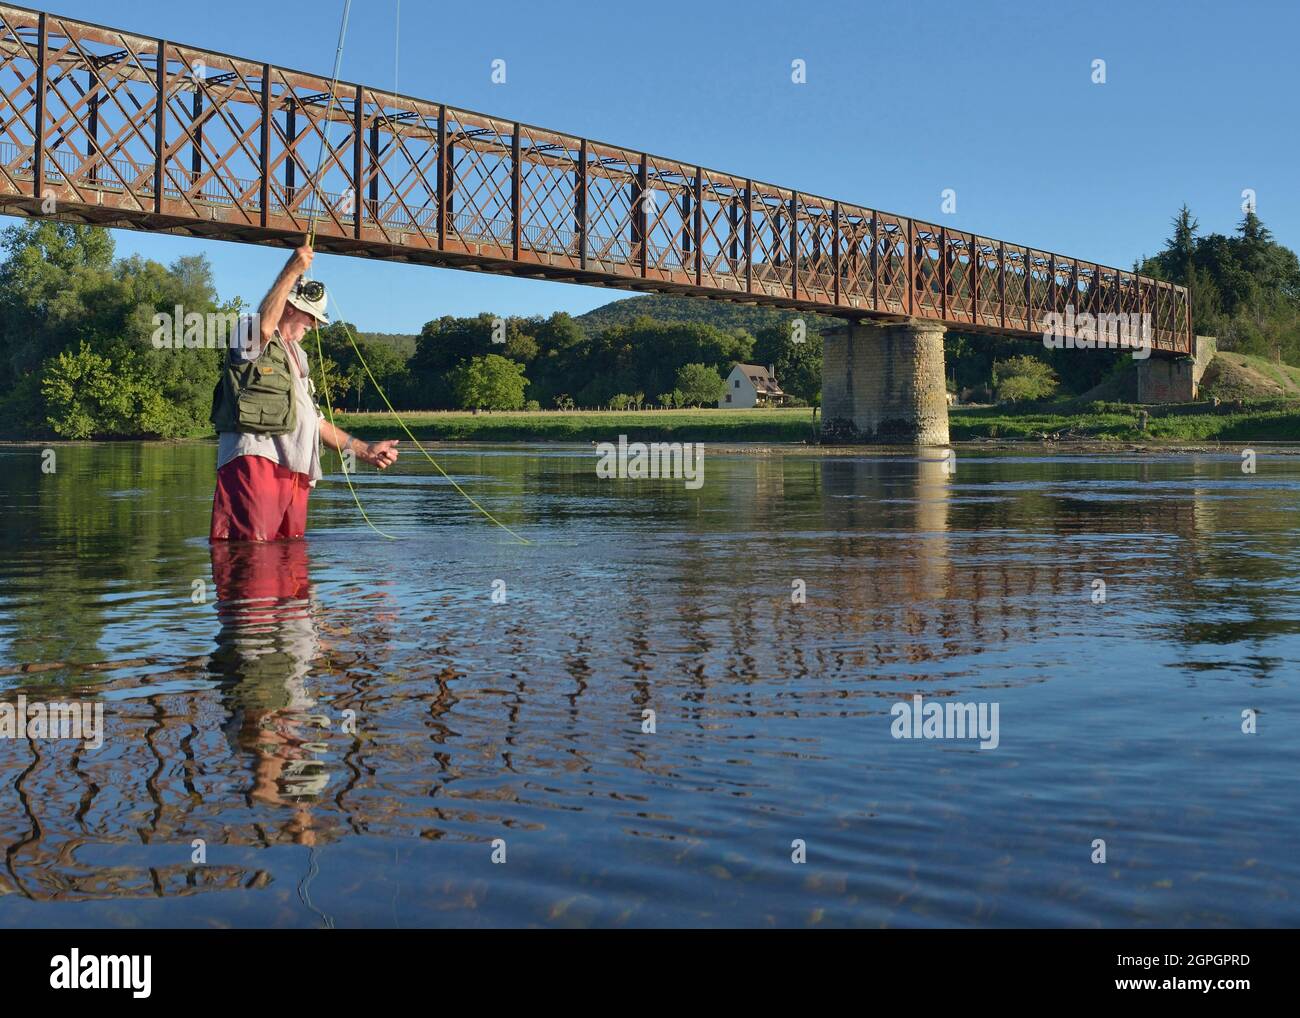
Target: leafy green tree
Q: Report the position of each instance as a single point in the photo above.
(51, 284)
(440, 347)
(561, 356)
(645, 355)
(491, 382)
(88, 395)
(1023, 378)
(520, 346)
(60, 289)
(1180, 249)
(83, 394)
(389, 368)
(700, 385)
(797, 366)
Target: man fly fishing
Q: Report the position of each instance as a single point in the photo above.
(269, 429)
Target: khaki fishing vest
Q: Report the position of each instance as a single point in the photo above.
(256, 396)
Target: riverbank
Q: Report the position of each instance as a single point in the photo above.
(787, 426)
(1259, 421)
(1095, 423)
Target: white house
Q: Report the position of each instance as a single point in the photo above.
(751, 385)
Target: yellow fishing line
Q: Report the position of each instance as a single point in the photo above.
(329, 407)
(415, 441)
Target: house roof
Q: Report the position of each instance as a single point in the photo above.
(761, 377)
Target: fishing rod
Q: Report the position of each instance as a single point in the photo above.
(311, 241)
(320, 350)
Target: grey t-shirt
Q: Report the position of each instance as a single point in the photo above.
(299, 450)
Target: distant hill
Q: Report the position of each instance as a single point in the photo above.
(694, 309)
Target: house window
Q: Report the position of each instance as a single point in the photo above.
(737, 384)
(728, 397)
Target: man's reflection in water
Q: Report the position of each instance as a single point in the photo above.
(264, 651)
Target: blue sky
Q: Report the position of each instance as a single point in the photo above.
(902, 100)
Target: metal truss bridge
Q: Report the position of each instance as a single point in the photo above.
(104, 126)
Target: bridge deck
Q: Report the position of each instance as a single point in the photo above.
(146, 134)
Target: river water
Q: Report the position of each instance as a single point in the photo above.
(451, 728)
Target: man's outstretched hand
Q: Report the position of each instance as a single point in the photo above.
(380, 454)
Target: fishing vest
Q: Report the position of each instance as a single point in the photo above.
(256, 396)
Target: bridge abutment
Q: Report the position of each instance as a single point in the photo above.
(1175, 379)
(884, 383)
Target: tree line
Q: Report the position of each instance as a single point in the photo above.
(535, 363)
(81, 358)
(1245, 288)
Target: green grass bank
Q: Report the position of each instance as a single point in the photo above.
(1261, 420)
(793, 425)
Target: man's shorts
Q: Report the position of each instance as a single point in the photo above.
(259, 500)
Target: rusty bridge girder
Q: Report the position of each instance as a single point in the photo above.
(103, 126)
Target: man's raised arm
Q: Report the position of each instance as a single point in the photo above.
(271, 309)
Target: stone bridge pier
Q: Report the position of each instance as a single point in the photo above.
(884, 383)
